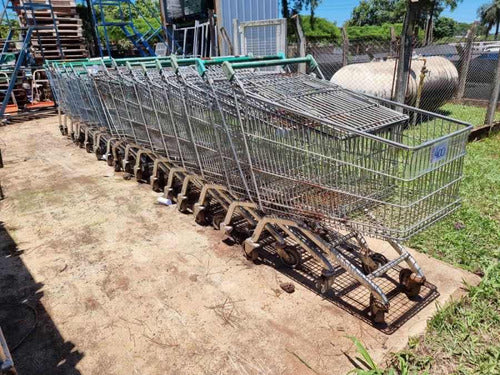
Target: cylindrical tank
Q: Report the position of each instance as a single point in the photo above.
(376, 78)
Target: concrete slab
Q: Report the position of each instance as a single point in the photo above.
(128, 286)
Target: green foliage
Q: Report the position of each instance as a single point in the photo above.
(324, 30)
(490, 16)
(462, 337)
(145, 12)
(377, 12)
(373, 32)
(380, 12)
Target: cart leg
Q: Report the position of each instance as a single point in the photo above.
(157, 179)
(142, 168)
(187, 196)
(200, 209)
(116, 156)
(172, 188)
(127, 162)
(87, 143)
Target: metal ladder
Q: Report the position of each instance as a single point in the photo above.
(142, 42)
(28, 11)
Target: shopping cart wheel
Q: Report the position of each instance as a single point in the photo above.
(88, 147)
(217, 220)
(118, 166)
(290, 256)
(183, 205)
(110, 160)
(410, 282)
(201, 218)
(325, 281)
(377, 261)
(377, 311)
(127, 176)
(98, 153)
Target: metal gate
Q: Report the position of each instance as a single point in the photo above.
(260, 38)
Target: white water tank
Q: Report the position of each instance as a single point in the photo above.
(376, 78)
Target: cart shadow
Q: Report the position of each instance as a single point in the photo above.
(351, 296)
(36, 345)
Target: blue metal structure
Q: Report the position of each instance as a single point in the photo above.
(125, 9)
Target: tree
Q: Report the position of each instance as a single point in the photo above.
(299, 5)
(490, 16)
(445, 27)
(324, 31)
(378, 12)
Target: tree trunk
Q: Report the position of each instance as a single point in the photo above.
(497, 24)
(430, 25)
(405, 52)
(284, 8)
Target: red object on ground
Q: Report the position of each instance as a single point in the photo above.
(44, 104)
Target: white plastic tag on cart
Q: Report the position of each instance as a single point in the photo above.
(439, 151)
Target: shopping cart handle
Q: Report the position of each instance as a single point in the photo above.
(201, 64)
(176, 62)
(229, 68)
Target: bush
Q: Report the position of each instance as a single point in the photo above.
(324, 30)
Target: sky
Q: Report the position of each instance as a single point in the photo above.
(340, 10)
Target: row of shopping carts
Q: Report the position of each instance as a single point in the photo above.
(273, 157)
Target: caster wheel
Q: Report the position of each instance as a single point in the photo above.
(217, 220)
(110, 160)
(183, 206)
(377, 312)
(138, 175)
(61, 129)
(88, 148)
(378, 259)
(322, 285)
(171, 195)
(118, 167)
(253, 256)
(410, 285)
(291, 257)
(157, 186)
(201, 218)
(127, 176)
(98, 153)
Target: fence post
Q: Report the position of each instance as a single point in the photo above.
(394, 42)
(345, 45)
(466, 58)
(405, 50)
(227, 40)
(301, 42)
(236, 37)
(495, 90)
(213, 34)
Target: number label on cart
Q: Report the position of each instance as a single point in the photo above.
(439, 152)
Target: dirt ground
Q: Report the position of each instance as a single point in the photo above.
(122, 285)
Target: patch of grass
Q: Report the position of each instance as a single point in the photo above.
(470, 238)
(462, 338)
(468, 113)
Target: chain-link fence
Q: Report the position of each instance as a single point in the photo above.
(455, 77)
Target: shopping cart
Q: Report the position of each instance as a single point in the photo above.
(281, 156)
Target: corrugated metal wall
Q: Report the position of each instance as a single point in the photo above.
(247, 10)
